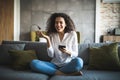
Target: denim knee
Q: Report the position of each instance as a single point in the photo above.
(79, 63)
(33, 64)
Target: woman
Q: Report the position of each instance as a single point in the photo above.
(60, 31)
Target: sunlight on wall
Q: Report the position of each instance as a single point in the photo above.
(16, 20)
(97, 25)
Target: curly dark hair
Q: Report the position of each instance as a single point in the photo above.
(51, 23)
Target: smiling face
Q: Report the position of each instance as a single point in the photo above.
(60, 24)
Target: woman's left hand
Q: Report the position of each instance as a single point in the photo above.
(64, 50)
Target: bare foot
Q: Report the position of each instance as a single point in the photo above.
(71, 74)
(77, 73)
(80, 73)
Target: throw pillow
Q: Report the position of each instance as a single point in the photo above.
(104, 57)
(119, 50)
(40, 48)
(21, 59)
(5, 58)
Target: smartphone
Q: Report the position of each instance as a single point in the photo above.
(61, 46)
(39, 27)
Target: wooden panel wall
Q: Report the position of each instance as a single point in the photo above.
(6, 20)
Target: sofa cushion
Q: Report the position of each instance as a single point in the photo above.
(83, 52)
(91, 75)
(5, 58)
(104, 57)
(83, 49)
(6, 73)
(22, 58)
(119, 50)
(40, 48)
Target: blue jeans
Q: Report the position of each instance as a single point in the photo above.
(49, 68)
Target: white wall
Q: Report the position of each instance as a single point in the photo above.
(16, 20)
(97, 22)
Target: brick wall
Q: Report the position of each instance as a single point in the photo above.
(110, 17)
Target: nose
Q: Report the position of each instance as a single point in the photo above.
(58, 24)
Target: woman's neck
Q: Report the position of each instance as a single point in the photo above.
(61, 35)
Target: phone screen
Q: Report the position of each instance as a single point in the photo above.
(61, 46)
(39, 27)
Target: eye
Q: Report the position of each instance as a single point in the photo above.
(56, 22)
(61, 22)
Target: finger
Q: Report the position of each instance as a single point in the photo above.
(37, 32)
(64, 48)
(41, 33)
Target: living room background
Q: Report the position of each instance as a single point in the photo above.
(92, 19)
(37, 12)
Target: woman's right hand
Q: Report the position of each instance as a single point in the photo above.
(41, 34)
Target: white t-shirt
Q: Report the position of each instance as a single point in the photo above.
(70, 41)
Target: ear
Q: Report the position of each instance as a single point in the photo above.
(65, 24)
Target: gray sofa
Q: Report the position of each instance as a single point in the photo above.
(6, 73)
